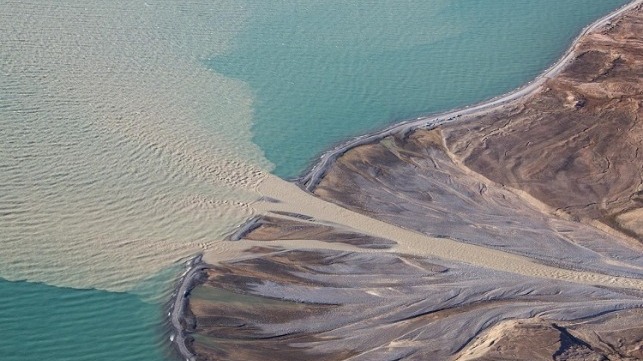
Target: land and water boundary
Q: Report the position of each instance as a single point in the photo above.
(178, 304)
(328, 170)
(312, 177)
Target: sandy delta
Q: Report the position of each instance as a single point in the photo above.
(511, 233)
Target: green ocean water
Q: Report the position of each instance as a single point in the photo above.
(325, 71)
(320, 72)
(41, 322)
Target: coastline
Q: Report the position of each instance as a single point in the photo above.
(309, 181)
(311, 178)
(179, 302)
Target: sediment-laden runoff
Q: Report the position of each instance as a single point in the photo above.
(513, 232)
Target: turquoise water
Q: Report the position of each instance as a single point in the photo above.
(41, 322)
(319, 72)
(324, 71)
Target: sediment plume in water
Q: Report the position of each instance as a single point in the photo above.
(489, 254)
(120, 152)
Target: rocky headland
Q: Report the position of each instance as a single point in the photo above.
(515, 233)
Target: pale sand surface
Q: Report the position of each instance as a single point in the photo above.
(292, 199)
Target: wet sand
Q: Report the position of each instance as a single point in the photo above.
(412, 246)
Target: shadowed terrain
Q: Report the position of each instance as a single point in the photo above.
(554, 178)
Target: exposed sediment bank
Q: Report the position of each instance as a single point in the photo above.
(179, 302)
(466, 266)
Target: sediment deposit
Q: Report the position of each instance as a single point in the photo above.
(511, 234)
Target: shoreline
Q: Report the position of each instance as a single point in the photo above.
(311, 178)
(176, 316)
(313, 175)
